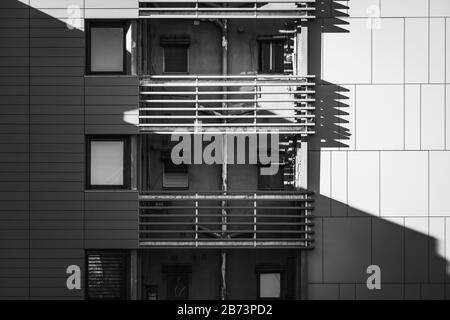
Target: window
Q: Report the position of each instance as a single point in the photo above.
(106, 47)
(177, 281)
(270, 281)
(151, 292)
(107, 163)
(271, 55)
(174, 176)
(271, 182)
(269, 285)
(106, 275)
(176, 53)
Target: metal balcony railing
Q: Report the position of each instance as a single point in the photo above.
(221, 9)
(250, 103)
(226, 219)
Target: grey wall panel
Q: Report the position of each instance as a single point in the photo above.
(109, 101)
(14, 156)
(111, 217)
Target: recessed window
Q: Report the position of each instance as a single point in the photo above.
(176, 53)
(106, 275)
(269, 285)
(106, 48)
(177, 286)
(107, 163)
(177, 281)
(174, 176)
(271, 56)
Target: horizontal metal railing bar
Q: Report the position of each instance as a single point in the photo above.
(207, 223)
(200, 93)
(228, 1)
(224, 109)
(224, 100)
(227, 9)
(235, 76)
(232, 239)
(217, 196)
(293, 124)
(226, 232)
(145, 130)
(227, 116)
(239, 192)
(223, 207)
(222, 16)
(173, 215)
(173, 84)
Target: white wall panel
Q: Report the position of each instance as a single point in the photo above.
(412, 117)
(388, 51)
(433, 117)
(439, 8)
(339, 182)
(346, 55)
(416, 50)
(437, 50)
(404, 183)
(363, 8)
(404, 8)
(440, 183)
(363, 182)
(379, 117)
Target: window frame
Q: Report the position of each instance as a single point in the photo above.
(126, 163)
(269, 269)
(271, 40)
(105, 24)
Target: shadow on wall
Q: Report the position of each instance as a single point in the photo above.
(348, 240)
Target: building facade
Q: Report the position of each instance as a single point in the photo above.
(96, 95)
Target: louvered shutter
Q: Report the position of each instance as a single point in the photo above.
(106, 275)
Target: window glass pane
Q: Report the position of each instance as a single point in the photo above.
(107, 49)
(175, 59)
(107, 162)
(269, 285)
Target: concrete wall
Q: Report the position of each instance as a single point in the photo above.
(206, 42)
(380, 159)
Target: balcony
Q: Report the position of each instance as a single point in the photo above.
(226, 219)
(223, 9)
(249, 103)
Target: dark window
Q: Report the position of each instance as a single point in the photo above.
(177, 286)
(176, 53)
(106, 47)
(151, 292)
(106, 275)
(174, 176)
(271, 182)
(271, 56)
(176, 59)
(107, 163)
(177, 281)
